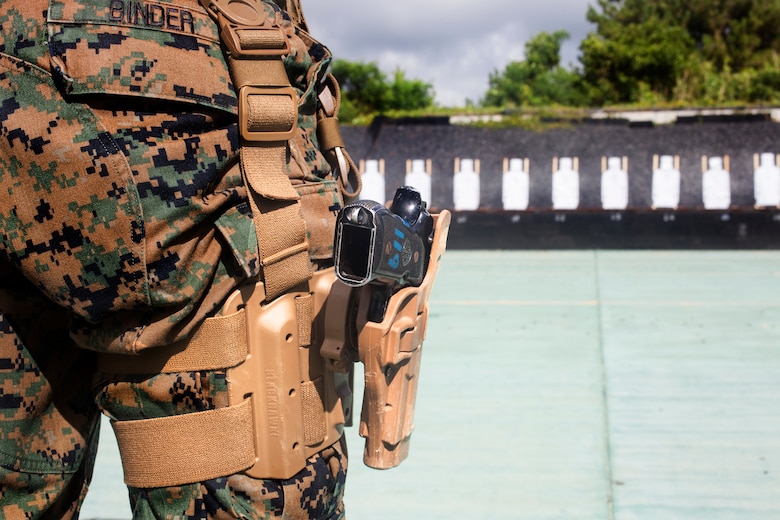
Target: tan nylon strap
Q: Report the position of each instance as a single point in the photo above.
(304, 311)
(177, 450)
(264, 39)
(329, 133)
(278, 274)
(257, 72)
(269, 113)
(276, 211)
(314, 426)
(275, 204)
(220, 342)
(330, 140)
(270, 183)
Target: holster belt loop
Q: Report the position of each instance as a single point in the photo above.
(144, 443)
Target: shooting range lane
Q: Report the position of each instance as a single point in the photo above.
(509, 419)
(580, 385)
(692, 355)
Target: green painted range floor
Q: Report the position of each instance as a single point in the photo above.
(581, 385)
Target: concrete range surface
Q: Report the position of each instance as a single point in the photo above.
(581, 385)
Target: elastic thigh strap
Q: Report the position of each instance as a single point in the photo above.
(171, 451)
(193, 447)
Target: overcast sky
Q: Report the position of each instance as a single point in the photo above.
(452, 44)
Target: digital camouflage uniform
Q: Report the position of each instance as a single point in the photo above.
(123, 224)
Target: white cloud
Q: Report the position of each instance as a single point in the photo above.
(454, 45)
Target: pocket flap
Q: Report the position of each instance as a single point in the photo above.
(158, 49)
(320, 203)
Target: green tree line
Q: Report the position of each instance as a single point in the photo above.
(641, 52)
(366, 90)
(682, 51)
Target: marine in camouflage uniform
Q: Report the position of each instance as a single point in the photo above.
(124, 222)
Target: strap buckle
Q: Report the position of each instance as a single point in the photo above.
(238, 20)
(245, 41)
(240, 12)
(267, 114)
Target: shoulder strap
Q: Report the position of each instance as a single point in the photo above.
(267, 115)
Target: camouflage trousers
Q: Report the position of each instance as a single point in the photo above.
(49, 421)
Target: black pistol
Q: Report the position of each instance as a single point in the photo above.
(387, 248)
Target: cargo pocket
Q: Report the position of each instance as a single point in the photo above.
(72, 221)
(131, 55)
(238, 232)
(48, 420)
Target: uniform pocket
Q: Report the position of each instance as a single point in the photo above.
(159, 49)
(320, 203)
(70, 217)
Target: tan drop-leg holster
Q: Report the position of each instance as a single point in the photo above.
(391, 352)
(288, 372)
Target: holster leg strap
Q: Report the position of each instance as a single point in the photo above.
(220, 342)
(285, 405)
(172, 451)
